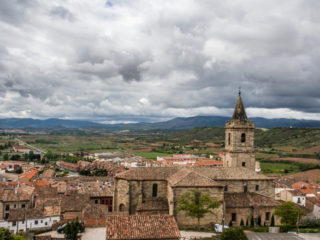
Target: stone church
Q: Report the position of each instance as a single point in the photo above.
(243, 193)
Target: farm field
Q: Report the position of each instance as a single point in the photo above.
(280, 150)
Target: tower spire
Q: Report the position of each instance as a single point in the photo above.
(239, 111)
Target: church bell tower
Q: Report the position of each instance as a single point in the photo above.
(239, 139)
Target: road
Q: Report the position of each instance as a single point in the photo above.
(30, 146)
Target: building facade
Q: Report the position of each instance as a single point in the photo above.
(157, 190)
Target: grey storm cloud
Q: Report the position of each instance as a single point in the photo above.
(62, 12)
(153, 60)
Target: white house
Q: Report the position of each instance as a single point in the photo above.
(29, 219)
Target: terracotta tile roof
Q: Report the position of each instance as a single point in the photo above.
(41, 182)
(148, 173)
(142, 227)
(29, 174)
(188, 178)
(67, 164)
(24, 194)
(74, 202)
(29, 213)
(233, 200)
(208, 163)
(236, 173)
(48, 173)
(95, 211)
(21, 147)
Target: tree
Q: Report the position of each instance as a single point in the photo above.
(272, 221)
(289, 213)
(197, 204)
(230, 223)
(232, 234)
(6, 157)
(72, 229)
(259, 221)
(5, 234)
(247, 223)
(241, 223)
(252, 222)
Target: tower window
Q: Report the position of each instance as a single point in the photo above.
(257, 187)
(226, 188)
(243, 137)
(229, 138)
(243, 164)
(154, 190)
(245, 188)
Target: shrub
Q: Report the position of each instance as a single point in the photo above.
(233, 234)
(310, 223)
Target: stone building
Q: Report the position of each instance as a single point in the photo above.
(243, 193)
(239, 139)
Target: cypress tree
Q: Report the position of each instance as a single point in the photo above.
(272, 221)
(241, 223)
(247, 222)
(230, 223)
(259, 221)
(252, 222)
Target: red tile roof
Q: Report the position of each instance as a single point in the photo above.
(187, 178)
(142, 227)
(29, 174)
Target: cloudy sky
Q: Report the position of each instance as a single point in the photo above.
(142, 60)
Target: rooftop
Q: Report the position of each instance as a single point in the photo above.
(188, 178)
(142, 227)
(248, 200)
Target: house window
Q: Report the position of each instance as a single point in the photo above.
(96, 201)
(46, 223)
(23, 205)
(14, 205)
(13, 223)
(154, 190)
(7, 207)
(226, 188)
(257, 187)
(245, 188)
(243, 164)
(229, 138)
(234, 217)
(243, 137)
(36, 222)
(6, 216)
(299, 201)
(267, 216)
(41, 221)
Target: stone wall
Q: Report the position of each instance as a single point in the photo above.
(121, 195)
(184, 220)
(246, 214)
(266, 187)
(235, 139)
(148, 185)
(236, 159)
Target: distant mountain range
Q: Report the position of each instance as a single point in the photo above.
(176, 123)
